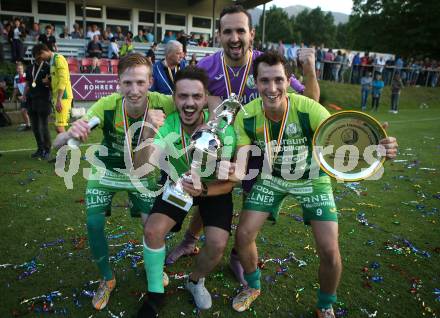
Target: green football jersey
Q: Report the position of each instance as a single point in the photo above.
(109, 110)
(295, 145)
(172, 139)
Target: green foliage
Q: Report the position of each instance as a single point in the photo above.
(7, 69)
(309, 26)
(278, 26)
(316, 27)
(404, 27)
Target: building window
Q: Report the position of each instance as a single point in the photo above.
(148, 17)
(91, 11)
(14, 5)
(118, 14)
(201, 23)
(175, 19)
(48, 7)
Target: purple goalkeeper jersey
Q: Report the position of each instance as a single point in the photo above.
(217, 83)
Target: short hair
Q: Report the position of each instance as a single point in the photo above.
(171, 46)
(36, 50)
(133, 60)
(19, 64)
(235, 9)
(270, 58)
(49, 26)
(192, 73)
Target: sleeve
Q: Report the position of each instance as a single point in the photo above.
(242, 137)
(97, 110)
(162, 101)
(296, 85)
(159, 139)
(317, 113)
(62, 72)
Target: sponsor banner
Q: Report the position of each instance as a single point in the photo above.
(93, 86)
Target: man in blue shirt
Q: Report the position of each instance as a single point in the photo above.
(165, 70)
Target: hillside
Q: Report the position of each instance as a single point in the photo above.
(294, 10)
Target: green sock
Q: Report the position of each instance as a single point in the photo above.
(154, 259)
(325, 301)
(98, 244)
(253, 279)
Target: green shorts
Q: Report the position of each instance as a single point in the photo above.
(315, 197)
(99, 194)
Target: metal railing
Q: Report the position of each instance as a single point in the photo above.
(411, 76)
(78, 48)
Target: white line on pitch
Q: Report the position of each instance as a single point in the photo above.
(30, 149)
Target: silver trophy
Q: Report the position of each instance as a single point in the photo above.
(205, 146)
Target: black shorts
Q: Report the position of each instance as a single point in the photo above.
(254, 162)
(215, 211)
(24, 105)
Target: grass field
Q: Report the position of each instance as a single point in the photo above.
(389, 235)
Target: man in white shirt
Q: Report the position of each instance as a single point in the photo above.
(94, 31)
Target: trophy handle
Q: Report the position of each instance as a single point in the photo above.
(219, 111)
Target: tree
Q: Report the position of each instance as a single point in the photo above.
(278, 26)
(316, 27)
(404, 27)
(342, 36)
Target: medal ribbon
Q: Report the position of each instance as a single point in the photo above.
(267, 137)
(243, 80)
(34, 76)
(128, 139)
(170, 73)
(184, 145)
(182, 136)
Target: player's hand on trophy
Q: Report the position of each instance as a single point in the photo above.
(156, 117)
(306, 57)
(79, 130)
(192, 184)
(389, 143)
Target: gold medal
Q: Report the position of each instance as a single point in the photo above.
(34, 84)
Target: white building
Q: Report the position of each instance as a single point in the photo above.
(191, 16)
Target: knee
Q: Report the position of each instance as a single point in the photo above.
(330, 256)
(153, 237)
(216, 248)
(244, 237)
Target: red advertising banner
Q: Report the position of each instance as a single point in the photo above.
(93, 86)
